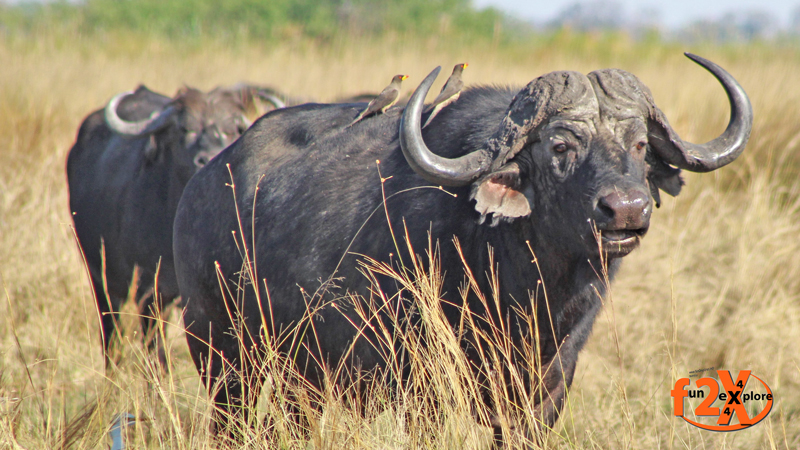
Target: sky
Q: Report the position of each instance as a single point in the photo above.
(673, 13)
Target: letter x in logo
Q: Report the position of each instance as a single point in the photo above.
(734, 391)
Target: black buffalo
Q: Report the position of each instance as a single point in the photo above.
(126, 173)
(569, 160)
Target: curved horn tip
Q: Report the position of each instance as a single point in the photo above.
(433, 168)
(434, 73)
(708, 64)
(426, 83)
(274, 99)
(413, 110)
(133, 129)
(110, 111)
(729, 145)
(694, 57)
(117, 99)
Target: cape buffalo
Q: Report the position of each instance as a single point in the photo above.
(126, 173)
(567, 160)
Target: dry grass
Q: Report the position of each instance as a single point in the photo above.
(716, 282)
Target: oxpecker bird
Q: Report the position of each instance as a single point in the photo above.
(384, 100)
(450, 92)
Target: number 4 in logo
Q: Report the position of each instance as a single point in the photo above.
(734, 401)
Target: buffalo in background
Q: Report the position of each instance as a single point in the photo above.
(569, 168)
(126, 173)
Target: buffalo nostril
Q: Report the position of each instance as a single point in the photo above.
(605, 209)
(624, 209)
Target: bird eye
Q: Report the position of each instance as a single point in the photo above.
(560, 147)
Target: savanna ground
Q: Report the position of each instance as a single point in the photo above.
(716, 282)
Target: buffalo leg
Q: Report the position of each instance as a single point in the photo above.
(108, 308)
(559, 372)
(292, 412)
(228, 374)
(557, 375)
(235, 399)
(235, 391)
(550, 399)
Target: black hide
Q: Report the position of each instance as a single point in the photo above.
(574, 165)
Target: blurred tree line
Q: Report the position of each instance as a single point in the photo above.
(322, 20)
(263, 19)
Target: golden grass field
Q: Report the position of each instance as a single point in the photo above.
(716, 282)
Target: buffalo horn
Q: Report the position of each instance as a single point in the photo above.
(264, 93)
(276, 102)
(135, 129)
(725, 148)
(430, 166)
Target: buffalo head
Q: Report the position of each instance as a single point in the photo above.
(586, 154)
(202, 124)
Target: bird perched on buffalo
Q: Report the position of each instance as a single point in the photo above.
(384, 100)
(450, 92)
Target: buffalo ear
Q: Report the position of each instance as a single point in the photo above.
(151, 150)
(183, 90)
(664, 177)
(500, 193)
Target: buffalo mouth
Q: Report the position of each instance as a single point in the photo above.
(618, 243)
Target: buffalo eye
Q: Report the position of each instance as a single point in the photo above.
(641, 145)
(560, 147)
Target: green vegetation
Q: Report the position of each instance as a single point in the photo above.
(274, 19)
